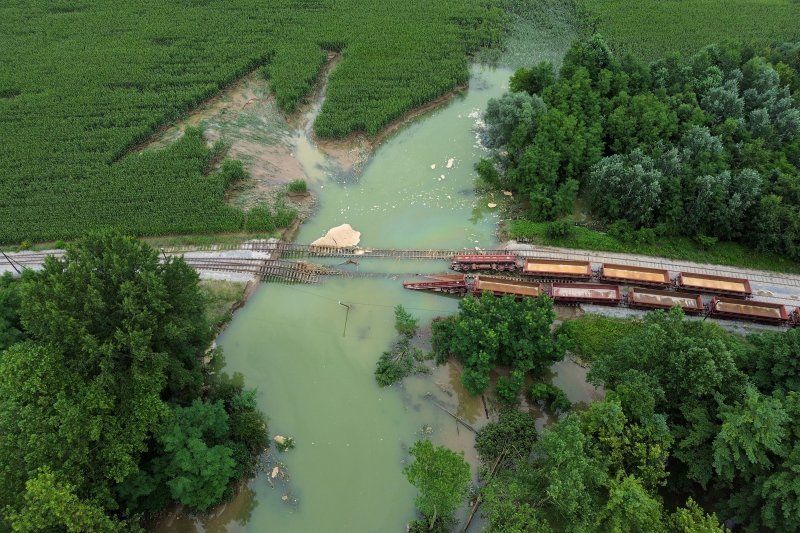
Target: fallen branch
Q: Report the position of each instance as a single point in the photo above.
(480, 496)
(458, 419)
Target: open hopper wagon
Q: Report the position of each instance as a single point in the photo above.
(766, 312)
(655, 299)
(450, 283)
(737, 287)
(633, 275)
(588, 293)
(552, 268)
(467, 263)
(504, 286)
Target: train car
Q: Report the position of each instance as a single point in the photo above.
(587, 293)
(794, 319)
(655, 299)
(504, 286)
(552, 268)
(736, 287)
(766, 312)
(467, 263)
(623, 274)
(449, 283)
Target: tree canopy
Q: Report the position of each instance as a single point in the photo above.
(110, 385)
(707, 147)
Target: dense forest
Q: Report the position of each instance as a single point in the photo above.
(707, 147)
(697, 426)
(109, 406)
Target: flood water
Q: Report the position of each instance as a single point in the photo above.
(312, 360)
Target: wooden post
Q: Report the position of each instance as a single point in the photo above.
(344, 331)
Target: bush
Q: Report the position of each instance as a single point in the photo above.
(297, 186)
(513, 434)
(552, 397)
(559, 229)
(508, 388)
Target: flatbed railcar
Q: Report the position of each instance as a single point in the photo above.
(722, 285)
(766, 312)
(588, 293)
(505, 286)
(449, 283)
(633, 275)
(469, 263)
(656, 299)
(554, 268)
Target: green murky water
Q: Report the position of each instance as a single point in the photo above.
(399, 200)
(315, 379)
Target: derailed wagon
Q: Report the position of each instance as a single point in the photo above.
(736, 287)
(470, 263)
(633, 275)
(656, 299)
(554, 268)
(766, 312)
(587, 293)
(449, 283)
(504, 286)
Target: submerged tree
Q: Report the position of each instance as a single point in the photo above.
(442, 477)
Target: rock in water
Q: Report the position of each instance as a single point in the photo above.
(340, 236)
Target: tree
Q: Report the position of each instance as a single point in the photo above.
(512, 436)
(51, 504)
(197, 465)
(512, 121)
(692, 519)
(533, 80)
(10, 326)
(626, 187)
(442, 478)
(489, 331)
(630, 508)
(639, 120)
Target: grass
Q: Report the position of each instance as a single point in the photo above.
(650, 29)
(220, 297)
(683, 248)
(595, 336)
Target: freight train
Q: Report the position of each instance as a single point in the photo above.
(554, 269)
(573, 282)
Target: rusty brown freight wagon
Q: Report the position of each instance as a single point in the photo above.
(748, 310)
(655, 299)
(553, 268)
(624, 274)
(738, 287)
(588, 293)
(503, 286)
(466, 263)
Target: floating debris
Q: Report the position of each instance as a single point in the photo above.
(451, 162)
(275, 472)
(285, 497)
(433, 166)
(508, 193)
(492, 205)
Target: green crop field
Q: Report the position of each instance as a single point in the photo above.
(83, 83)
(651, 29)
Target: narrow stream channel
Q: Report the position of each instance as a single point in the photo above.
(314, 372)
